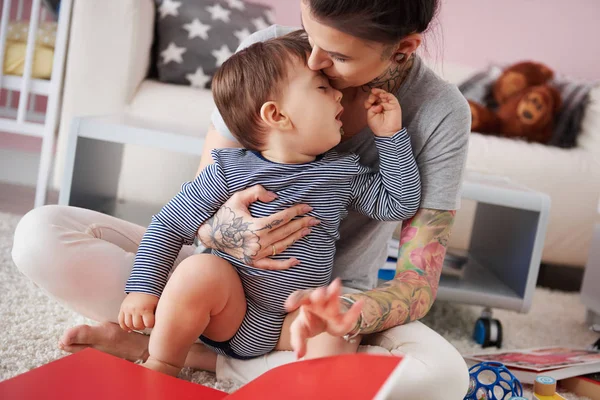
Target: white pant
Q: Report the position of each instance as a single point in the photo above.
(83, 259)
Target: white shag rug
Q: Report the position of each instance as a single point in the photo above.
(31, 323)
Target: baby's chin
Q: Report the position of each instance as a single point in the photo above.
(339, 136)
(333, 139)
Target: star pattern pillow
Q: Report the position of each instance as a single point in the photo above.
(194, 37)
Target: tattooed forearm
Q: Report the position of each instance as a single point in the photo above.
(228, 233)
(409, 296)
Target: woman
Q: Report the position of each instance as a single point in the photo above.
(83, 258)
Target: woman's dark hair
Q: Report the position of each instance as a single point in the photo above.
(383, 21)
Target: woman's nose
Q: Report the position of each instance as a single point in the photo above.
(318, 59)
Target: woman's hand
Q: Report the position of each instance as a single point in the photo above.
(137, 311)
(234, 231)
(321, 310)
(384, 114)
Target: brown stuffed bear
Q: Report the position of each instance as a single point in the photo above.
(526, 105)
(519, 77)
(483, 120)
(530, 114)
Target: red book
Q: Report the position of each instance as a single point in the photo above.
(93, 375)
(349, 376)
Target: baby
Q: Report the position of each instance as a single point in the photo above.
(288, 119)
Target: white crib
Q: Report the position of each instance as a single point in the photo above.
(23, 120)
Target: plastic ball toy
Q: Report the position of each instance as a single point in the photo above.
(492, 381)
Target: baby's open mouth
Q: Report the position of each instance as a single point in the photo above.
(339, 114)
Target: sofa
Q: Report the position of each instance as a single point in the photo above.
(107, 73)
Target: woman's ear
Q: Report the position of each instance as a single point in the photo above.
(273, 116)
(408, 46)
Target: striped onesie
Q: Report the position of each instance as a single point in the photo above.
(330, 184)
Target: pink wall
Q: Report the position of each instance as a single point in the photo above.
(287, 12)
(563, 34)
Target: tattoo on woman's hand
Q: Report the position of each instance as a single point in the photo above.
(229, 234)
(272, 225)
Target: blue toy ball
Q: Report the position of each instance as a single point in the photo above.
(492, 381)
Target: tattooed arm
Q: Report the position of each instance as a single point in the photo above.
(409, 296)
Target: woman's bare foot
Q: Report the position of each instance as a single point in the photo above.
(109, 338)
(159, 366)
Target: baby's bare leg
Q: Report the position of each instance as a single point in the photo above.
(325, 345)
(204, 296)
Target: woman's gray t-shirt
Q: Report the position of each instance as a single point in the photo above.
(438, 121)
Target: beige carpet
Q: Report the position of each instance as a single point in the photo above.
(31, 323)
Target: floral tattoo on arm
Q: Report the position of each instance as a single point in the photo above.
(228, 233)
(410, 295)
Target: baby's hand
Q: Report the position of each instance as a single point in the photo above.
(137, 311)
(384, 114)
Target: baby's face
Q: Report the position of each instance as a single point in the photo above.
(314, 108)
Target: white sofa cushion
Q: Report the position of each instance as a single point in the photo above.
(182, 106)
(184, 109)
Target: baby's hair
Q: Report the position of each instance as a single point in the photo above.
(250, 78)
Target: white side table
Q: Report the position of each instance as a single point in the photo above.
(505, 250)
(94, 156)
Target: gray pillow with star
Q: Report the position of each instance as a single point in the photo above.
(194, 37)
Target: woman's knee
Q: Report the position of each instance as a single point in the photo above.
(32, 239)
(432, 360)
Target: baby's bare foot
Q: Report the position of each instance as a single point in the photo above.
(109, 338)
(160, 366)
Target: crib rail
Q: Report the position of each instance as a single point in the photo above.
(3, 34)
(25, 120)
(26, 82)
(22, 84)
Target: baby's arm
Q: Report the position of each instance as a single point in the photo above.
(325, 345)
(174, 226)
(393, 193)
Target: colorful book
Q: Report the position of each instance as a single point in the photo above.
(556, 362)
(93, 375)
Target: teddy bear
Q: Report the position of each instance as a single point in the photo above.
(483, 120)
(519, 77)
(526, 104)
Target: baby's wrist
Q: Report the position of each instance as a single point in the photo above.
(388, 134)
